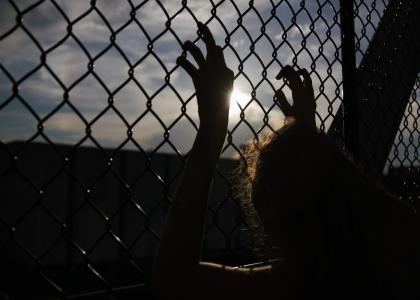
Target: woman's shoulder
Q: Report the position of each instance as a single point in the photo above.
(262, 279)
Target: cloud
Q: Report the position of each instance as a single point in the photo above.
(90, 97)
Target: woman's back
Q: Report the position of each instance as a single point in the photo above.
(402, 235)
(377, 251)
(369, 250)
(351, 239)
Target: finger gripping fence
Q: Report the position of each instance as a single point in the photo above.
(96, 119)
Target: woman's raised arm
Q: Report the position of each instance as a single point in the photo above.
(179, 254)
(178, 271)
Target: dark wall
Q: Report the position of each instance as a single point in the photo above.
(101, 203)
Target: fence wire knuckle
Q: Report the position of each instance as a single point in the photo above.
(80, 221)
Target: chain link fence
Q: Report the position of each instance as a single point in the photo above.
(389, 93)
(96, 119)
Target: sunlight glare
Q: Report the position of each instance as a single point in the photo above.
(237, 99)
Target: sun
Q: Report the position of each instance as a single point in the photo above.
(238, 100)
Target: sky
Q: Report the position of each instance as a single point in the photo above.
(147, 44)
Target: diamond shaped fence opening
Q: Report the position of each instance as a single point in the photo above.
(96, 120)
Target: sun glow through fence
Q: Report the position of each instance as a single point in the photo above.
(238, 100)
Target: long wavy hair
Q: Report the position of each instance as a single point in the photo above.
(306, 173)
(244, 178)
(334, 217)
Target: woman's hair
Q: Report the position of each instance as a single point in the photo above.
(245, 176)
(263, 160)
(300, 167)
(335, 220)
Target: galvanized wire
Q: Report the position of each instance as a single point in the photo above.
(104, 207)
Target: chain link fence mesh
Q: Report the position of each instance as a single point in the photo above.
(397, 119)
(96, 119)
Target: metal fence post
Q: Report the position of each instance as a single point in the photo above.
(348, 56)
(384, 82)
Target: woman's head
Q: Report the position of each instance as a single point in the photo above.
(289, 173)
(291, 169)
(315, 204)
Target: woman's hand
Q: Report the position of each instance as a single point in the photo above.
(303, 107)
(213, 81)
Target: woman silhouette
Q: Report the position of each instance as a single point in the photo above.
(341, 235)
